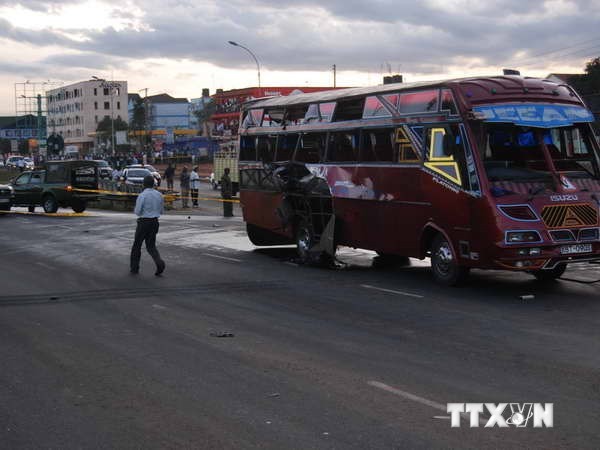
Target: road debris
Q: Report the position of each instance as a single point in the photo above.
(221, 334)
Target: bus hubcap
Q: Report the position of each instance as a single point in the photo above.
(303, 241)
(444, 258)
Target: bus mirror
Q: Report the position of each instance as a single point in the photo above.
(449, 145)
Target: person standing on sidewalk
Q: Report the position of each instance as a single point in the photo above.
(227, 193)
(184, 183)
(148, 207)
(194, 185)
(169, 175)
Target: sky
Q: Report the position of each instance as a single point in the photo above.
(180, 46)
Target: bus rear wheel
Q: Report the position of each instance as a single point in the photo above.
(305, 240)
(551, 274)
(444, 265)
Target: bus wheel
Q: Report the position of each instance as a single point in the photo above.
(551, 274)
(305, 240)
(446, 269)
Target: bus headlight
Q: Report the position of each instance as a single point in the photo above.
(522, 237)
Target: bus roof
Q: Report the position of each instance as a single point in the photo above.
(477, 90)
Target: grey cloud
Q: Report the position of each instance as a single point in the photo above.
(313, 35)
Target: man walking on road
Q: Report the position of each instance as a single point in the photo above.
(227, 193)
(148, 208)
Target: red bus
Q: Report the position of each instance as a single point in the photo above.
(491, 173)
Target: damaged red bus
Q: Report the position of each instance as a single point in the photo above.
(491, 173)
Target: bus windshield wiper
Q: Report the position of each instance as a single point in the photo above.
(534, 192)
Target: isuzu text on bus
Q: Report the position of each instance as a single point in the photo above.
(491, 173)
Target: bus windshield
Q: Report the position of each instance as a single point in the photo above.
(518, 154)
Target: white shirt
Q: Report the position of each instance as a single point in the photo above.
(149, 204)
(194, 180)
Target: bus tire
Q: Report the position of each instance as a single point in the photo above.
(305, 240)
(551, 274)
(444, 265)
(49, 204)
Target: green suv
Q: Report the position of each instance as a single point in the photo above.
(62, 183)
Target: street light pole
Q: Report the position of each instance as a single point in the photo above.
(235, 44)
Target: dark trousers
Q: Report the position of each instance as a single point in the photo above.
(195, 196)
(227, 206)
(146, 231)
(169, 183)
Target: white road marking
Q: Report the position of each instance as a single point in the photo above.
(421, 400)
(408, 396)
(222, 257)
(291, 264)
(159, 307)
(390, 291)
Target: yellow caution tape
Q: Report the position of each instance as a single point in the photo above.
(167, 196)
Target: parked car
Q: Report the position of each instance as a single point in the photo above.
(29, 164)
(135, 175)
(6, 197)
(104, 169)
(155, 173)
(62, 183)
(14, 162)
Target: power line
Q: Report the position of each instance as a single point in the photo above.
(563, 55)
(529, 58)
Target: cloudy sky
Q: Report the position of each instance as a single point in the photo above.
(180, 46)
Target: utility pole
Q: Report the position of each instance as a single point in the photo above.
(334, 75)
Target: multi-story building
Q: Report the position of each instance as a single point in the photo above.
(74, 111)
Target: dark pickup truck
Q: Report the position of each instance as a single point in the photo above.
(62, 183)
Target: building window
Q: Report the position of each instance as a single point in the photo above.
(95, 105)
(106, 105)
(118, 105)
(105, 91)
(95, 91)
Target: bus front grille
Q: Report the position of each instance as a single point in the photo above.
(561, 216)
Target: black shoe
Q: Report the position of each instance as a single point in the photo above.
(160, 269)
(134, 271)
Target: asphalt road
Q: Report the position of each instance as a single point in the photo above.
(359, 357)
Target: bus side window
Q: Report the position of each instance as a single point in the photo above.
(440, 151)
(377, 145)
(311, 148)
(247, 148)
(265, 148)
(406, 151)
(286, 145)
(343, 146)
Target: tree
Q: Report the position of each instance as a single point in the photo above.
(139, 120)
(105, 128)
